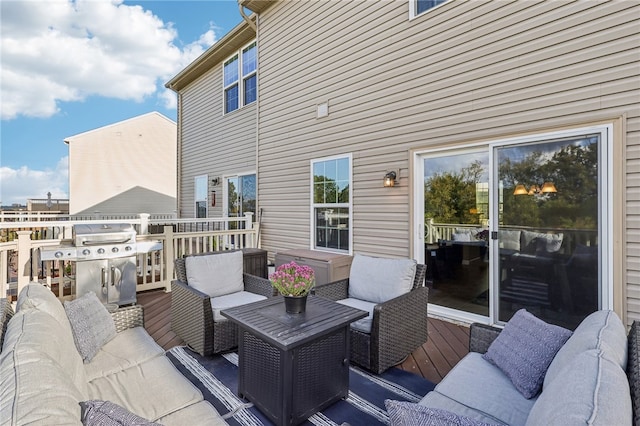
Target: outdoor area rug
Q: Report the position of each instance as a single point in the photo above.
(217, 378)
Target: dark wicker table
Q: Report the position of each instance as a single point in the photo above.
(293, 365)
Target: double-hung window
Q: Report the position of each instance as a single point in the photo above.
(417, 7)
(331, 203)
(240, 78)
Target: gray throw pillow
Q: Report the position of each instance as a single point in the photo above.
(402, 413)
(106, 413)
(91, 323)
(524, 349)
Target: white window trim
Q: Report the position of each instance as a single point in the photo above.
(225, 188)
(606, 207)
(413, 7)
(195, 195)
(312, 205)
(241, 79)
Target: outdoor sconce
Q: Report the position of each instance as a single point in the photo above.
(215, 181)
(389, 179)
(547, 188)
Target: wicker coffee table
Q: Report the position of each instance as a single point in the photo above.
(293, 365)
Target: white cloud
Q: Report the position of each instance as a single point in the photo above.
(61, 50)
(18, 185)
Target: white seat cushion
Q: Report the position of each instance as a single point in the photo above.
(231, 301)
(130, 347)
(377, 280)
(202, 413)
(363, 324)
(152, 390)
(216, 274)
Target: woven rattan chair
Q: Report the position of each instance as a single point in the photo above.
(192, 314)
(6, 312)
(399, 325)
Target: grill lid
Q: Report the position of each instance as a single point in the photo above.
(107, 233)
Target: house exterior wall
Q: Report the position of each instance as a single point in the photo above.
(212, 143)
(136, 156)
(461, 73)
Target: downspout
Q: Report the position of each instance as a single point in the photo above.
(258, 208)
(246, 18)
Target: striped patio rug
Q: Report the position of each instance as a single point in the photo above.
(217, 378)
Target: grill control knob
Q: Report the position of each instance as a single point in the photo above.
(58, 254)
(100, 251)
(128, 248)
(86, 252)
(115, 249)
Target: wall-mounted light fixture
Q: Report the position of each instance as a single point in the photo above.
(215, 181)
(546, 188)
(389, 179)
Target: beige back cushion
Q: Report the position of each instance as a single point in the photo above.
(378, 280)
(39, 381)
(47, 328)
(216, 274)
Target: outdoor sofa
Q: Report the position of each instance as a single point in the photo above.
(44, 380)
(593, 378)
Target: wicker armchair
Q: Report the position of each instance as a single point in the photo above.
(192, 314)
(399, 325)
(6, 312)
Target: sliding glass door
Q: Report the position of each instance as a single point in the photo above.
(456, 215)
(517, 223)
(548, 221)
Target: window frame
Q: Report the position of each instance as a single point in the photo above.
(413, 8)
(313, 205)
(225, 189)
(197, 200)
(241, 78)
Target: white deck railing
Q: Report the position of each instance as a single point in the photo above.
(20, 243)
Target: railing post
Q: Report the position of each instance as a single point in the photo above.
(23, 262)
(144, 223)
(248, 220)
(169, 255)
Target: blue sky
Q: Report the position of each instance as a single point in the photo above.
(67, 67)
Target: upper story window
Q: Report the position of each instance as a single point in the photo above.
(417, 7)
(331, 203)
(240, 78)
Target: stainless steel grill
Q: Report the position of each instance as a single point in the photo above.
(105, 256)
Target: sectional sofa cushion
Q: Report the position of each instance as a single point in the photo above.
(32, 332)
(591, 390)
(129, 348)
(403, 413)
(465, 390)
(106, 413)
(524, 350)
(151, 390)
(600, 330)
(38, 381)
(216, 274)
(91, 323)
(37, 296)
(378, 280)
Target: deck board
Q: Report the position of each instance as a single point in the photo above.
(447, 344)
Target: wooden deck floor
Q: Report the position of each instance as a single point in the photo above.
(447, 343)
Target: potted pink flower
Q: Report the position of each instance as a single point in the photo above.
(294, 282)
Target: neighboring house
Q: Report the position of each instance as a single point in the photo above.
(124, 168)
(515, 123)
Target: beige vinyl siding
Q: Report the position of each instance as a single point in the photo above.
(127, 167)
(213, 143)
(464, 72)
